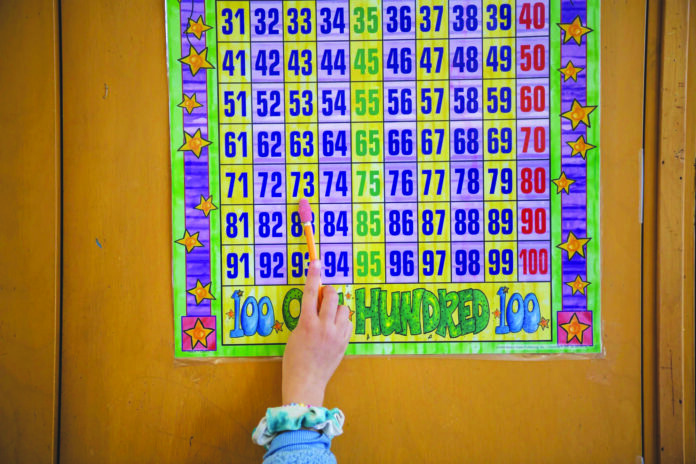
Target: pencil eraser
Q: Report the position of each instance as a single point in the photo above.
(305, 211)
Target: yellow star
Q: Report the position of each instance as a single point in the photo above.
(580, 147)
(578, 285)
(199, 334)
(206, 205)
(190, 241)
(278, 326)
(563, 183)
(197, 28)
(574, 245)
(196, 61)
(194, 143)
(570, 71)
(578, 114)
(574, 30)
(201, 292)
(574, 328)
(189, 103)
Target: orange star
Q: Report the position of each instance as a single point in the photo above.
(206, 205)
(348, 296)
(496, 313)
(578, 114)
(570, 71)
(580, 147)
(196, 61)
(197, 28)
(544, 323)
(350, 315)
(563, 183)
(278, 326)
(199, 334)
(578, 285)
(574, 245)
(230, 314)
(574, 328)
(190, 241)
(574, 30)
(189, 103)
(194, 143)
(201, 292)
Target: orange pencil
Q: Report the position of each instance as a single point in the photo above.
(305, 210)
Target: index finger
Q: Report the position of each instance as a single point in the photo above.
(310, 298)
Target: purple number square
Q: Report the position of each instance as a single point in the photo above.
(468, 262)
(334, 183)
(400, 141)
(399, 101)
(269, 223)
(466, 59)
(533, 98)
(333, 61)
(336, 223)
(465, 19)
(534, 263)
(466, 100)
(466, 140)
(533, 139)
(334, 143)
(334, 102)
(266, 21)
(337, 260)
(398, 19)
(533, 181)
(268, 143)
(533, 57)
(466, 181)
(467, 221)
(269, 184)
(270, 264)
(267, 103)
(267, 62)
(401, 222)
(400, 182)
(533, 220)
(402, 263)
(532, 17)
(333, 20)
(399, 57)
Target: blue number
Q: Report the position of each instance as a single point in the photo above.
(328, 24)
(428, 173)
(496, 217)
(505, 180)
(267, 62)
(429, 262)
(427, 140)
(335, 222)
(234, 261)
(263, 108)
(331, 63)
(406, 181)
(466, 59)
(231, 140)
(500, 261)
(466, 222)
(271, 264)
(232, 228)
(242, 179)
(399, 60)
(276, 180)
(264, 141)
(505, 59)
(426, 23)
(399, 19)
(301, 143)
(400, 142)
(294, 65)
(460, 22)
(401, 263)
(230, 105)
(466, 141)
(297, 263)
(296, 226)
(401, 223)
(505, 21)
(399, 104)
(341, 184)
(473, 183)
(466, 102)
(265, 227)
(228, 26)
(337, 103)
(273, 17)
(228, 62)
(293, 24)
(334, 265)
(467, 262)
(335, 142)
(427, 101)
(301, 103)
(428, 218)
(505, 99)
(505, 142)
(426, 59)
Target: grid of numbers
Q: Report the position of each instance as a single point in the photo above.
(418, 130)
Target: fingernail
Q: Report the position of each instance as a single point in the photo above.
(316, 264)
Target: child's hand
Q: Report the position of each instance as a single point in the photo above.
(317, 345)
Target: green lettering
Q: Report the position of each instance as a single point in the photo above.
(448, 304)
(431, 312)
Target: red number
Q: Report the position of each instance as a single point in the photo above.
(534, 261)
(532, 57)
(533, 180)
(539, 139)
(533, 16)
(532, 98)
(533, 221)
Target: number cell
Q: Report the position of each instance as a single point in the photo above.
(237, 265)
(466, 59)
(400, 61)
(534, 220)
(269, 224)
(399, 19)
(465, 18)
(237, 224)
(533, 182)
(468, 221)
(269, 184)
(337, 261)
(401, 222)
(333, 18)
(335, 183)
(501, 262)
(236, 183)
(369, 263)
(402, 263)
(399, 101)
(271, 264)
(335, 223)
(533, 139)
(500, 221)
(235, 143)
(333, 62)
(266, 21)
(467, 141)
(434, 262)
(401, 183)
(233, 21)
(266, 62)
(434, 222)
(368, 222)
(534, 261)
(533, 98)
(466, 181)
(300, 21)
(269, 143)
(468, 262)
(533, 57)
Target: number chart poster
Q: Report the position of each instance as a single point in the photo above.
(449, 150)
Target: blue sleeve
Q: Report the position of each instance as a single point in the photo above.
(300, 447)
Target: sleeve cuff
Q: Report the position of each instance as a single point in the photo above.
(298, 439)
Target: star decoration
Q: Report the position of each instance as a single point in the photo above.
(348, 296)
(496, 313)
(574, 245)
(578, 114)
(544, 323)
(570, 71)
(574, 30)
(196, 61)
(206, 205)
(350, 314)
(574, 328)
(189, 241)
(230, 314)
(580, 147)
(197, 28)
(505, 289)
(240, 293)
(278, 326)
(563, 183)
(578, 285)
(199, 334)
(201, 292)
(194, 143)
(189, 103)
